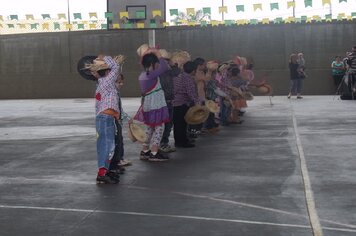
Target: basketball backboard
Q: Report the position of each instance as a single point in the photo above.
(133, 14)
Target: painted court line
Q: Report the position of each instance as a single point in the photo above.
(309, 196)
(168, 216)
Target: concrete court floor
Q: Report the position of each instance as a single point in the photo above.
(248, 180)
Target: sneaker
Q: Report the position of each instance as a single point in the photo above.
(167, 148)
(158, 157)
(114, 174)
(106, 179)
(124, 163)
(299, 97)
(289, 96)
(145, 155)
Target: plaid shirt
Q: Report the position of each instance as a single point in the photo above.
(185, 90)
(106, 91)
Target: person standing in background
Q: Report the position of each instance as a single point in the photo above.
(296, 79)
(338, 70)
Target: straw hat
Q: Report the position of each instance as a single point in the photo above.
(138, 132)
(142, 49)
(130, 135)
(180, 58)
(84, 72)
(236, 92)
(265, 89)
(212, 65)
(247, 95)
(164, 53)
(212, 106)
(196, 115)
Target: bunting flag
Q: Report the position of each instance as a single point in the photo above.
(229, 22)
(274, 6)
(165, 24)
(140, 14)
(116, 26)
(77, 16)
(207, 10)
(128, 26)
(80, 26)
(92, 26)
(109, 15)
(317, 18)
(1, 26)
(62, 16)
(223, 9)
(46, 16)
(253, 21)
(304, 18)
(29, 17)
(190, 11)
(104, 26)
(257, 6)
(353, 14)
(298, 20)
(22, 26)
(173, 12)
(191, 23)
(308, 3)
(156, 13)
(123, 14)
(278, 20)
(34, 26)
(69, 26)
(326, 2)
(45, 26)
(341, 15)
(93, 14)
(309, 20)
(14, 17)
(140, 25)
(204, 23)
(340, 1)
(328, 18)
(240, 8)
(214, 23)
(265, 21)
(11, 26)
(56, 26)
(349, 18)
(2, 19)
(290, 4)
(290, 19)
(153, 23)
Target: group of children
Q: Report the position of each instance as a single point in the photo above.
(170, 85)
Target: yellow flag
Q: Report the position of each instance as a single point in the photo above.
(316, 17)
(1, 18)
(214, 23)
(124, 14)
(191, 23)
(289, 20)
(29, 17)
(93, 14)
(309, 20)
(349, 18)
(62, 16)
(156, 13)
(326, 2)
(22, 26)
(1, 26)
(290, 4)
(116, 26)
(190, 11)
(341, 15)
(240, 22)
(45, 26)
(265, 21)
(69, 26)
(184, 22)
(223, 9)
(92, 26)
(140, 25)
(257, 6)
(165, 24)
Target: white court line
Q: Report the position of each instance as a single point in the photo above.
(309, 196)
(168, 216)
(22, 180)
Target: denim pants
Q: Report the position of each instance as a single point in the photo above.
(105, 143)
(119, 146)
(168, 126)
(296, 86)
(225, 112)
(210, 122)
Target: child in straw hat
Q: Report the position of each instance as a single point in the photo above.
(106, 70)
(153, 112)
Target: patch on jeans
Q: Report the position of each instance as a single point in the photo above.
(97, 135)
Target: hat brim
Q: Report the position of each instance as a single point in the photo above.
(85, 73)
(138, 132)
(212, 106)
(197, 115)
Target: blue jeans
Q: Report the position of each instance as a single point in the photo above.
(119, 147)
(105, 143)
(225, 112)
(168, 126)
(210, 122)
(296, 86)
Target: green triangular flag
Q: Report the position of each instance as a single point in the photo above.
(80, 26)
(229, 22)
(204, 23)
(308, 3)
(11, 25)
(253, 21)
(240, 8)
(128, 26)
(34, 26)
(14, 17)
(304, 18)
(342, 1)
(278, 20)
(274, 6)
(298, 20)
(206, 10)
(328, 16)
(153, 25)
(353, 14)
(44, 16)
(56, 25)
(77, 16)
(173, 12)
(104, 26)
(140, 14)
(109, 15)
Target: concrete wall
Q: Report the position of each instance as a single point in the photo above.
(44, 65)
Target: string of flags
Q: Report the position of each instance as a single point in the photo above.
(60, 21)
